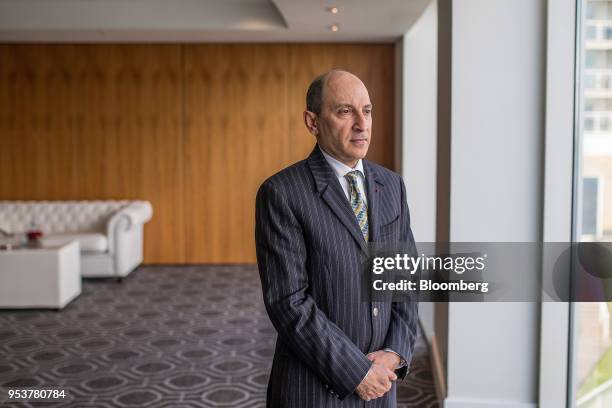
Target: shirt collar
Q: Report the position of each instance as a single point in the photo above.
(339, 168)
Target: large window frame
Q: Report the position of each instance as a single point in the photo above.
(559, 191)
(577, 183)
(562, 208)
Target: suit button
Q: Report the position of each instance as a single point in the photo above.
(375, 311)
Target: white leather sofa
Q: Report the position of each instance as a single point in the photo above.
(110, 233)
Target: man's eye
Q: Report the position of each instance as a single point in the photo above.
(367, 111)
(345, 111)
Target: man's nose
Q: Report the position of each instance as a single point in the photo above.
(361, 122)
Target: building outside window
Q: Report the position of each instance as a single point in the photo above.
(592, 367)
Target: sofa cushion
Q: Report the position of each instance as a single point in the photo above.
(89, 242)
(55, 217)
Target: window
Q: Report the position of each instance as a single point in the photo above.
(594, 10)
(596, 58)
(591, 372)
(590, 207)
(591, 32)
(589, 81)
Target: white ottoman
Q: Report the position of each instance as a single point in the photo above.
(48, 277)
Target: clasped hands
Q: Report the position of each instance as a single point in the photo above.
(378, 380)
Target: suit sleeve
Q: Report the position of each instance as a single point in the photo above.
(281, 258)
(402, 332)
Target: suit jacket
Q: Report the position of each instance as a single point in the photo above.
(309, 253)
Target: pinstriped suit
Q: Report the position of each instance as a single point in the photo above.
(309, 253)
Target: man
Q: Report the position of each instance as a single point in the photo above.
(314, 220)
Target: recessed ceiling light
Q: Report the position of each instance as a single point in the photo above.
(333, 10)
(334, 27)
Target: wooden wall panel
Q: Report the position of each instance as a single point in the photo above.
(129, 135)
(194, 129)
(235, 137)
(37, 138)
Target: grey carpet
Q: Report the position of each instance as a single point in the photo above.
(184, 336)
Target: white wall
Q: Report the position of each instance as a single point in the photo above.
(491, 92)
(496, 181)
(419, 125)
(419, 133)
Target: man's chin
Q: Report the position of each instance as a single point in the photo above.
(359, 153)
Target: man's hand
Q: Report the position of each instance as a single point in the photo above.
(376, 383)
(386, 358)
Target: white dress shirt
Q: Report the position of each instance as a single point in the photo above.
(341, 169)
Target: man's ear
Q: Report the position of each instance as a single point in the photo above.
(310, 120)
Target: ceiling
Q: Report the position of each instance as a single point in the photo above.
(206, 20)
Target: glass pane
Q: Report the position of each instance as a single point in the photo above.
(591, 32)
(592, 369)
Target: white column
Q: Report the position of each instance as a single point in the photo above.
(418, 51)
(419, 67)
(497, 117)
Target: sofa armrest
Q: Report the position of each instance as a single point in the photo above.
(135, 213)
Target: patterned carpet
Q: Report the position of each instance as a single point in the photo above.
(189, 336)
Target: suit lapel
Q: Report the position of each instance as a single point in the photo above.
(374, 186)
(331, 192)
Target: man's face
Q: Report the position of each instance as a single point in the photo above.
(345, 122)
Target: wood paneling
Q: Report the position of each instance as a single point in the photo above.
(37, 138)
(193, 128)
(236, 135)
(129, 135)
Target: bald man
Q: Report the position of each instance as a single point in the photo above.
(314, 221)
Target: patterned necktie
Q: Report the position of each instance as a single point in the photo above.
(357, 203)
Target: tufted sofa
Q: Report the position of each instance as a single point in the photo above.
(110, 233)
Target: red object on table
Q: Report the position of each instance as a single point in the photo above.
(34, 235)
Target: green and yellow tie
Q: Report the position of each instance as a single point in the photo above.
(357, 203)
